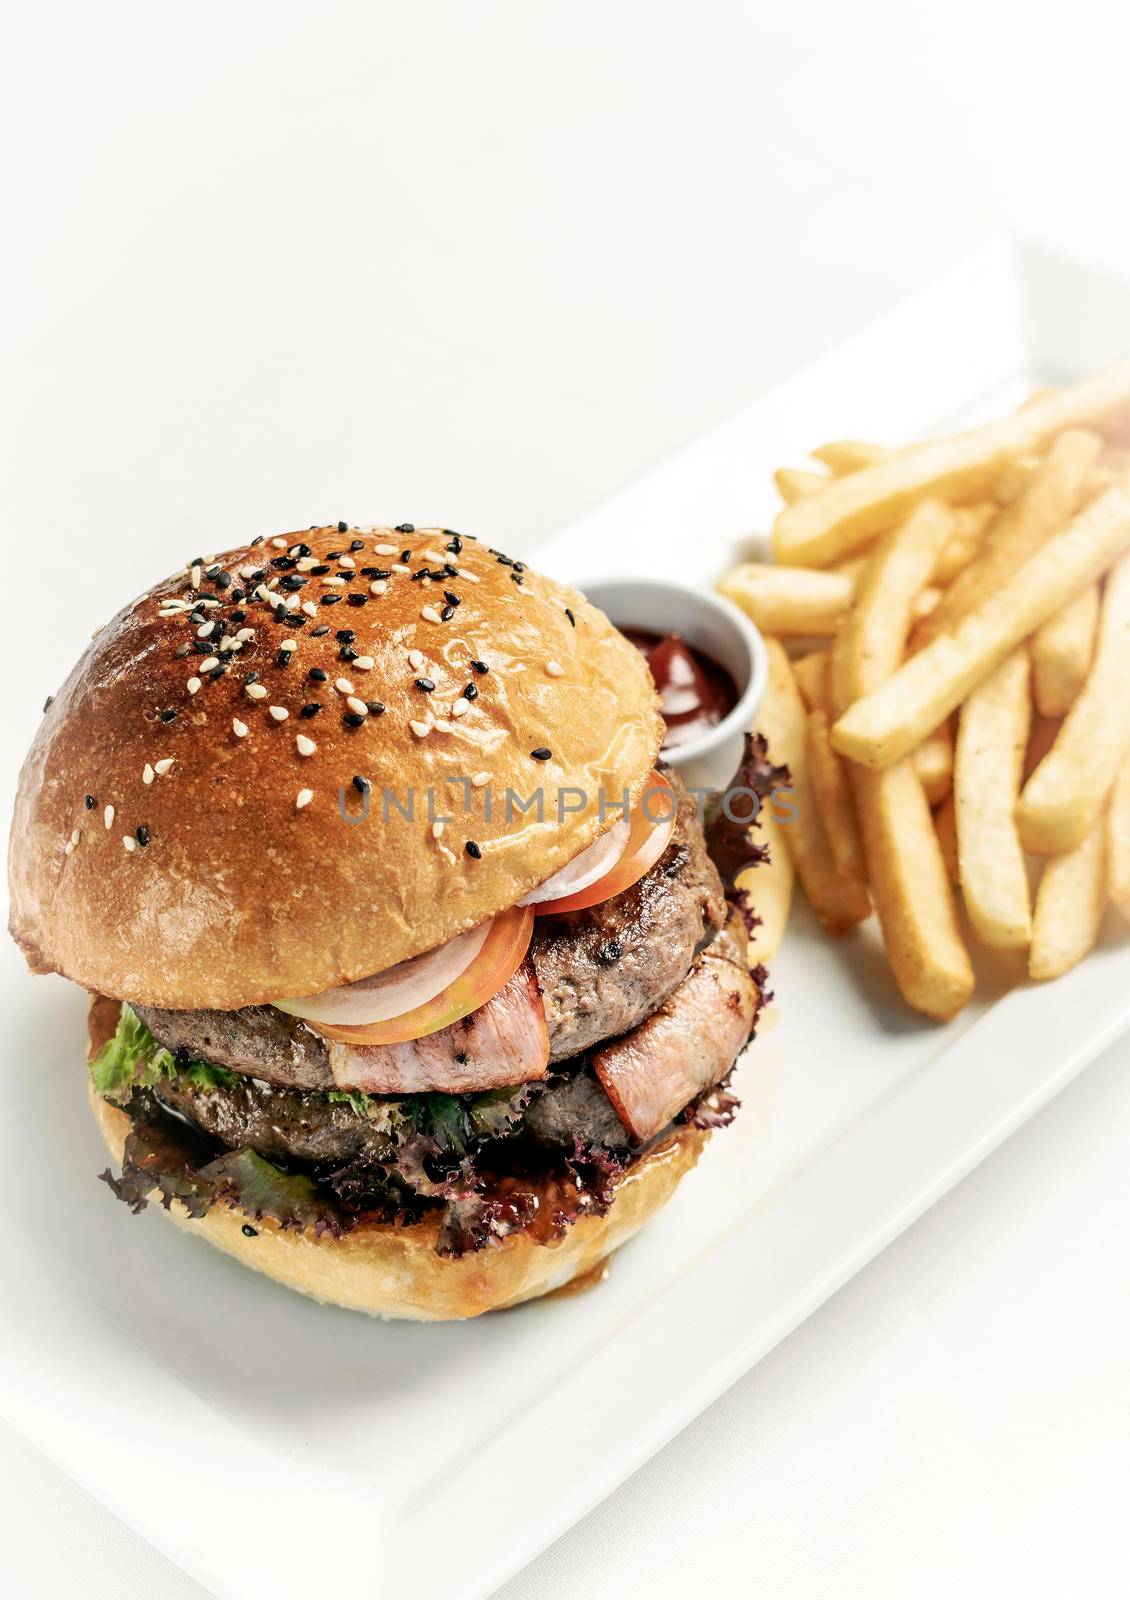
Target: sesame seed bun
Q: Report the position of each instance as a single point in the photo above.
(393, 1271)
(178, 838)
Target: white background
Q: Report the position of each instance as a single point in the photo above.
(481, 263)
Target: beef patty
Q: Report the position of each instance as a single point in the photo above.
(600, 971)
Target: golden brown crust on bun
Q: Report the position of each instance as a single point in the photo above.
(163, 848)
(394, 1271)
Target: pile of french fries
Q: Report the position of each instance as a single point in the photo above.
(949, 639)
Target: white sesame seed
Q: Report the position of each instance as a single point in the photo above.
(129, 841)
(279, 544)
(443, 726)
(430, 614)
(248, 571)
(358, 707)
(227, 642)
(245, 634)
(479, 779)
(206, 600)
(239, 728)
(470, 576)
(205, 630)
(337, 582)
(555, 669)
(346, 561)
(162, 766)
(460, 707)
(280, 713)
(108, 816)
(255, 691)
(433, 555)
(398, 566)
(303, 798)
(384, 549)
(290, 602)
(310, 608)
(209, 662)
(306, 563)
(147, 774)
(192, 685)
(305, 745)
(363, 663)
(378, 586)
(75, 836)
(195, 575)
(415, 659)
(437, 829)
(69, 848)
(420, 729)
(343, 686)
(289, 644)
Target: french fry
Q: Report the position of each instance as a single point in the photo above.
(872, 637)
(1118, 841)
(850, 455)
(1069, 906)
(1013, 478)
(970, 523)
(794, 483)
(1045, 507)
(945, 826)
(992, 737)
(811, 673)
(853, 509)
(927, 600)
(838, 902)
(911, 891)
(789, 600)
(887, 724)
(1061, 653)
(770, 886)
(1064, 796)
(933, 762)
(906, 870)
(833, 798)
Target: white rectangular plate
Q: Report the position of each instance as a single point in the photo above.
(274, 1447)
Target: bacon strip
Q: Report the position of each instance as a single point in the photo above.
(504, 1042)
(686, 1046)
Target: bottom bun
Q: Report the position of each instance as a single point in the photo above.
(393, 1271)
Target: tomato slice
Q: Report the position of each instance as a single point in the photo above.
(503, 952)
(651, 825)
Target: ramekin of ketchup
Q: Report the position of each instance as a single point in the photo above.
(709, 665)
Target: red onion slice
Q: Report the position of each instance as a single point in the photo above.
(388, 994)
(584, 869)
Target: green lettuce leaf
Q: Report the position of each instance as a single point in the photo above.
(133, 1059)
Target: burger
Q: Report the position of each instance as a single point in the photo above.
(416, 979)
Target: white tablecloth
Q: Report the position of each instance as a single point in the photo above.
(488, 261)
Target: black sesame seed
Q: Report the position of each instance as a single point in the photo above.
(258, 575)
(238, 616)
(181, 651)
(284, 563)
(258, 539)
(347, 653)
(142, 836)
(330, 599)
(310, 710)
(218, 672)
(343, 527)
(376, 707)
(319, 572)
(452, 599)
(425, 684)
(357, 544)
(480, 666)
(90, 802)
(362, 785)
(320, 631)
(292, 582)
(249, 1232)
(572, 618)
(283, 658)
(449, 571)
(423, 573)
(332, 555)
(281, 613)
(542, 753)
(317, 674)
(473, 850)
(300, 550)
(515, 577)
(447, 613)
(357, 599)
(405, 556)
(223, 580)
(519, 566)
(345, 635)
(405, 527)
(251, 677)
(470, 692)
(456, 544)
(353, 719)
(376, 572)
(504, 561)
(168, 714)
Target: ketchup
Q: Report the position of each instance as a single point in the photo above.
(696, 693)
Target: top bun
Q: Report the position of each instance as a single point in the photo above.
(230, 876)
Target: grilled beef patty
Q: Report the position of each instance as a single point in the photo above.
(600, 971)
